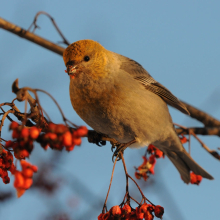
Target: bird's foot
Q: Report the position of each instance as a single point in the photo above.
(96, 138)
(120, 149)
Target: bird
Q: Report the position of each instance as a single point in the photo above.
(117, 97)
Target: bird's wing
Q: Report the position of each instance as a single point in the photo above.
(140, 74)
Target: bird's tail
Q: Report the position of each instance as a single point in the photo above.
(185, 163)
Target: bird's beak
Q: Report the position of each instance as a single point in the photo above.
(71, 70)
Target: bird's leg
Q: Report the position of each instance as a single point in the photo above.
(96, 138)
(121, 148)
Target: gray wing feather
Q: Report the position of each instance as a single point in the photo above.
(140, 74)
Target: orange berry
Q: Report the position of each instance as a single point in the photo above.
(13, 125)
(7, 165)
(148, 215)
(106, 216)
(12, 169)
(24, 132)
(9, 144)
(60, 129)
(23, 153)
(67, 139)
(28, 173)
(10, 157)
(115, 210)
(82, 131)
(34, 132)
(144, 208)
(19, 180)
(158, 153)
(139, 215)
(27, 183)
(25, 164)
(77, 141)
(52, 136)
(100, 217)
(70, 148)
(126, 209)
(34, 168)
(158, 210)
(4, 153)
(6, 180)
(51, 127)
(15, 134)
(2, 163)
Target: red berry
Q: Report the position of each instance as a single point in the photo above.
(34, 132)
(67, 139)
(15, 134)
(25, 164)
(60, 129)
(24, 132)
(23, 153)
(77, 141)
(34, 168)
(13, 125)
(144, 208)
(158, 210)
(51, 127)
(19, 180)
(9, 144)
(126, 209)
(70, 148)
(6, 180)
(27, 183)
(82, 131)
(28, 173)
(115, 210)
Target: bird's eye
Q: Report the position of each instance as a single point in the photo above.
(86, 58)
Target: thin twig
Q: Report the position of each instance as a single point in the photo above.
(212, 152)
(8, 26)
(3, 119)
(128, 176)
(9, 118)
(34, 23)
(113, 169)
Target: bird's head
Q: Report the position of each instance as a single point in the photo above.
(85, 56)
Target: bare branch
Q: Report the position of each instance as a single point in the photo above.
(30, 36)
(201, 116)
(3, 119)
(54, 23)
(200, 131)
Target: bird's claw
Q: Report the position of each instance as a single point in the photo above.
(118, 152)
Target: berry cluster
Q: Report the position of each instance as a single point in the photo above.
(183, 139)
(24, 136)
(59, 136)
(155, 151)
(195, 179)
(6, 164)
(147, 167)
(145, 211)
(23, 179)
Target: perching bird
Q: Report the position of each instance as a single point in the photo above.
(116, 96)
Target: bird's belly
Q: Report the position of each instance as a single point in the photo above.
(124, 115)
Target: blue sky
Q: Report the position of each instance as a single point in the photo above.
(176, 41)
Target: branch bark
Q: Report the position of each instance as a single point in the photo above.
(8, 26)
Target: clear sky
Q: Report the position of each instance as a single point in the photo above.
(178, 42)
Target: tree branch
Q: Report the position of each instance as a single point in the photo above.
(30, 36)
(201, 116)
